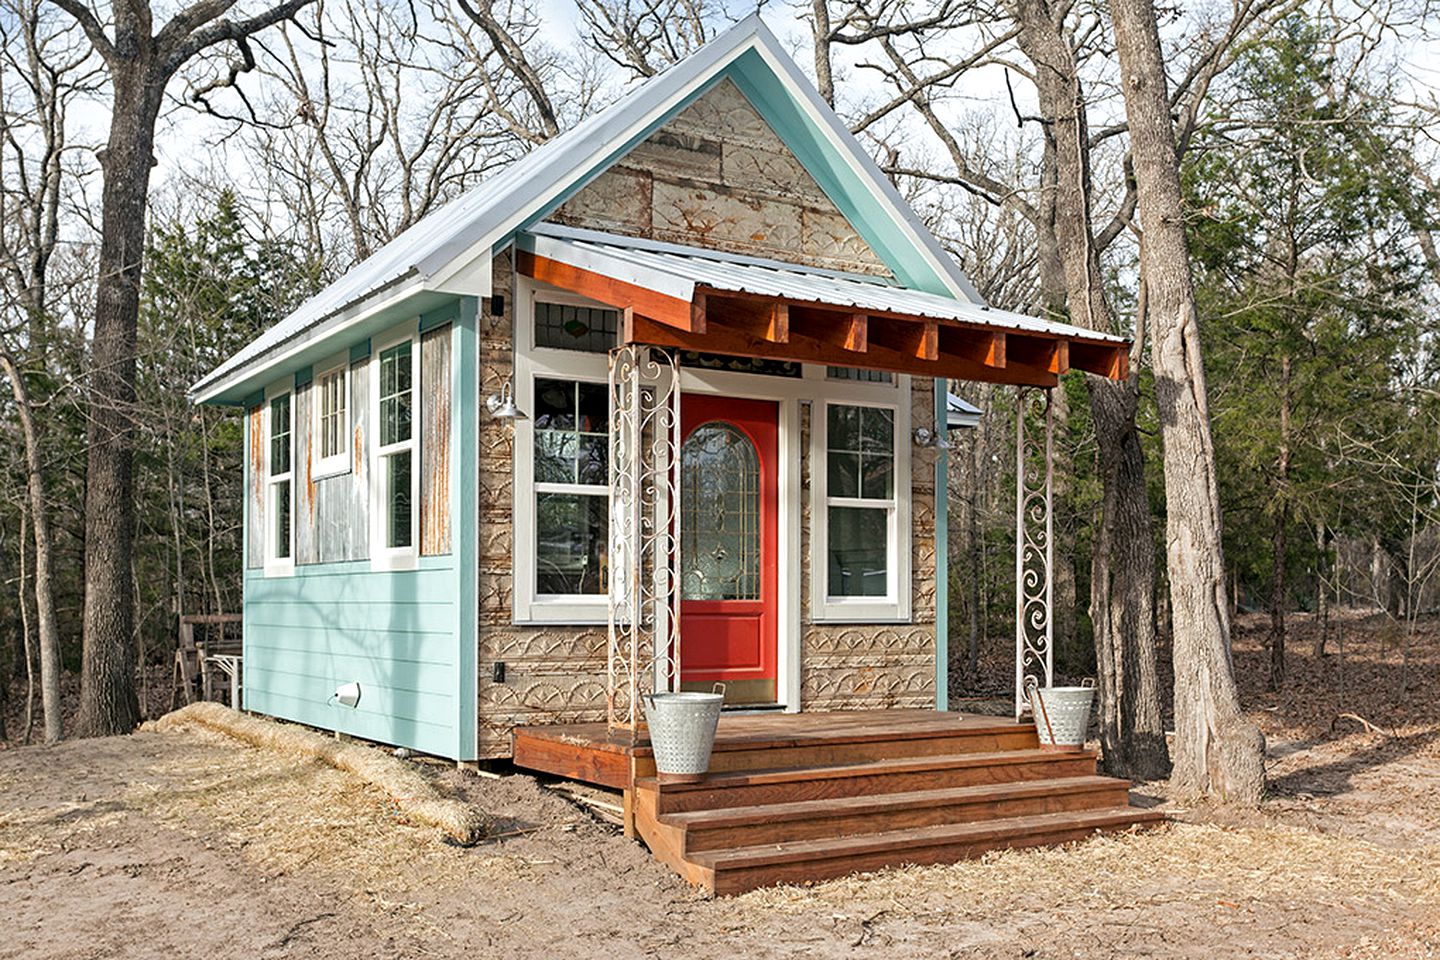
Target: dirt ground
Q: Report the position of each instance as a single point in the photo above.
(192, 845)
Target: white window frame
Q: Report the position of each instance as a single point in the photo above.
(338, 462)
(381, 556)
(545, 363)
(895, 606)
(277, 566)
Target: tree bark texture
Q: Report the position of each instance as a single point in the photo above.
(1123, 560)
(108, 704)
(40, 526)
(1218, 752)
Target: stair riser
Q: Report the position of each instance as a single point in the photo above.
(740, 795)
(837, 754)
(697, 838)
(739, 880)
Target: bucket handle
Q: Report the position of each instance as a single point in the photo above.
(1088, 683)
(1032, 691)
(719, 688)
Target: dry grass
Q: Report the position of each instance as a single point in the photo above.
(1182, 862)
(414, 795)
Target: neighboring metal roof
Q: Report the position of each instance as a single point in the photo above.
(678, 270)
(427, 256)
(959, 413)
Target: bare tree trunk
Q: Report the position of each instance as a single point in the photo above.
(1278, 546)
(1218, 752)
(1123, 561)
(108, 704)
(40, 527)
(1322, 593)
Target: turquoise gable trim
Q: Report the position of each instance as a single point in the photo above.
(868, 212)
(360, 351)
(304, 375)
(253, 400)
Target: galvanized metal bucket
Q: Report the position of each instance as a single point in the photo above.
(682, 732)
(1062, 714)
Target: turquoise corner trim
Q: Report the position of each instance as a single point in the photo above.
(304, 375)
(942, 554)
(465, 517)
(438, 318)
(360, 351)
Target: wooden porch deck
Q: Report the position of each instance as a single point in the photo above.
(800, 797)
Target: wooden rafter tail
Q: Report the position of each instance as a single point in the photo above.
(742, 339)
(920, 341)
(698, 312)
(856, 333)
(978, 346)
(1049, 354)
(661, 307)
(1111, 360)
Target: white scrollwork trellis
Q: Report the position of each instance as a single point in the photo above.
(644, 643)
(1034, 542)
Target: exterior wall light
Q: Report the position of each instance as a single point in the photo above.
(502, 405)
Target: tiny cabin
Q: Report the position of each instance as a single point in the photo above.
(662, 404)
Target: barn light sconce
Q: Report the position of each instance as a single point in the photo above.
(502, 405)
(925, 437)
(348, 694)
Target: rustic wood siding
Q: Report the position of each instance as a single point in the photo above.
(255, 488)
(435, 401)
(718, 176)
(331, 515)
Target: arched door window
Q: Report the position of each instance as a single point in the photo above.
(720, 514)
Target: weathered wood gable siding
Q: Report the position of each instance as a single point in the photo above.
(331, 519)
(435, 402)
(717, 176)
(255, 487)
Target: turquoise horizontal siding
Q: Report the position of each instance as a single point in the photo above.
(394, 632)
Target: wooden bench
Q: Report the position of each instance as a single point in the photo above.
(208, 659)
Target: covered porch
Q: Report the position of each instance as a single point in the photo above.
(805, 795)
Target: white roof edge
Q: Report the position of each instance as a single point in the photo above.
(474, 223)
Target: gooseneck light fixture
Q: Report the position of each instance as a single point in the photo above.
(502, 405)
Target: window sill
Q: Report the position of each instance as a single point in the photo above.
(335, 467)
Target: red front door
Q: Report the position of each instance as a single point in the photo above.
(729, 535)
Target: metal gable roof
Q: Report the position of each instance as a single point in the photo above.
(427, 256)
(677, 270)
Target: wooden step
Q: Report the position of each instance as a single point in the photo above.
(859, 779)
(866, 744)
(728, 827)
(738, 869)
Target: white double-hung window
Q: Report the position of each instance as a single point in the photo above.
(562, 458)
(861, 530)
(394, 477)
(330, 429)
(279, 488)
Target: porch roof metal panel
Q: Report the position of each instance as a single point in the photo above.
(677, 271)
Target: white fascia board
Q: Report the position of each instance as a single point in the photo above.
(611, 263)
(475, 278)
(826, 120)
(337, 324)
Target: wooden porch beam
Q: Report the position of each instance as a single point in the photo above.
(661, 307)
(722, 337)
